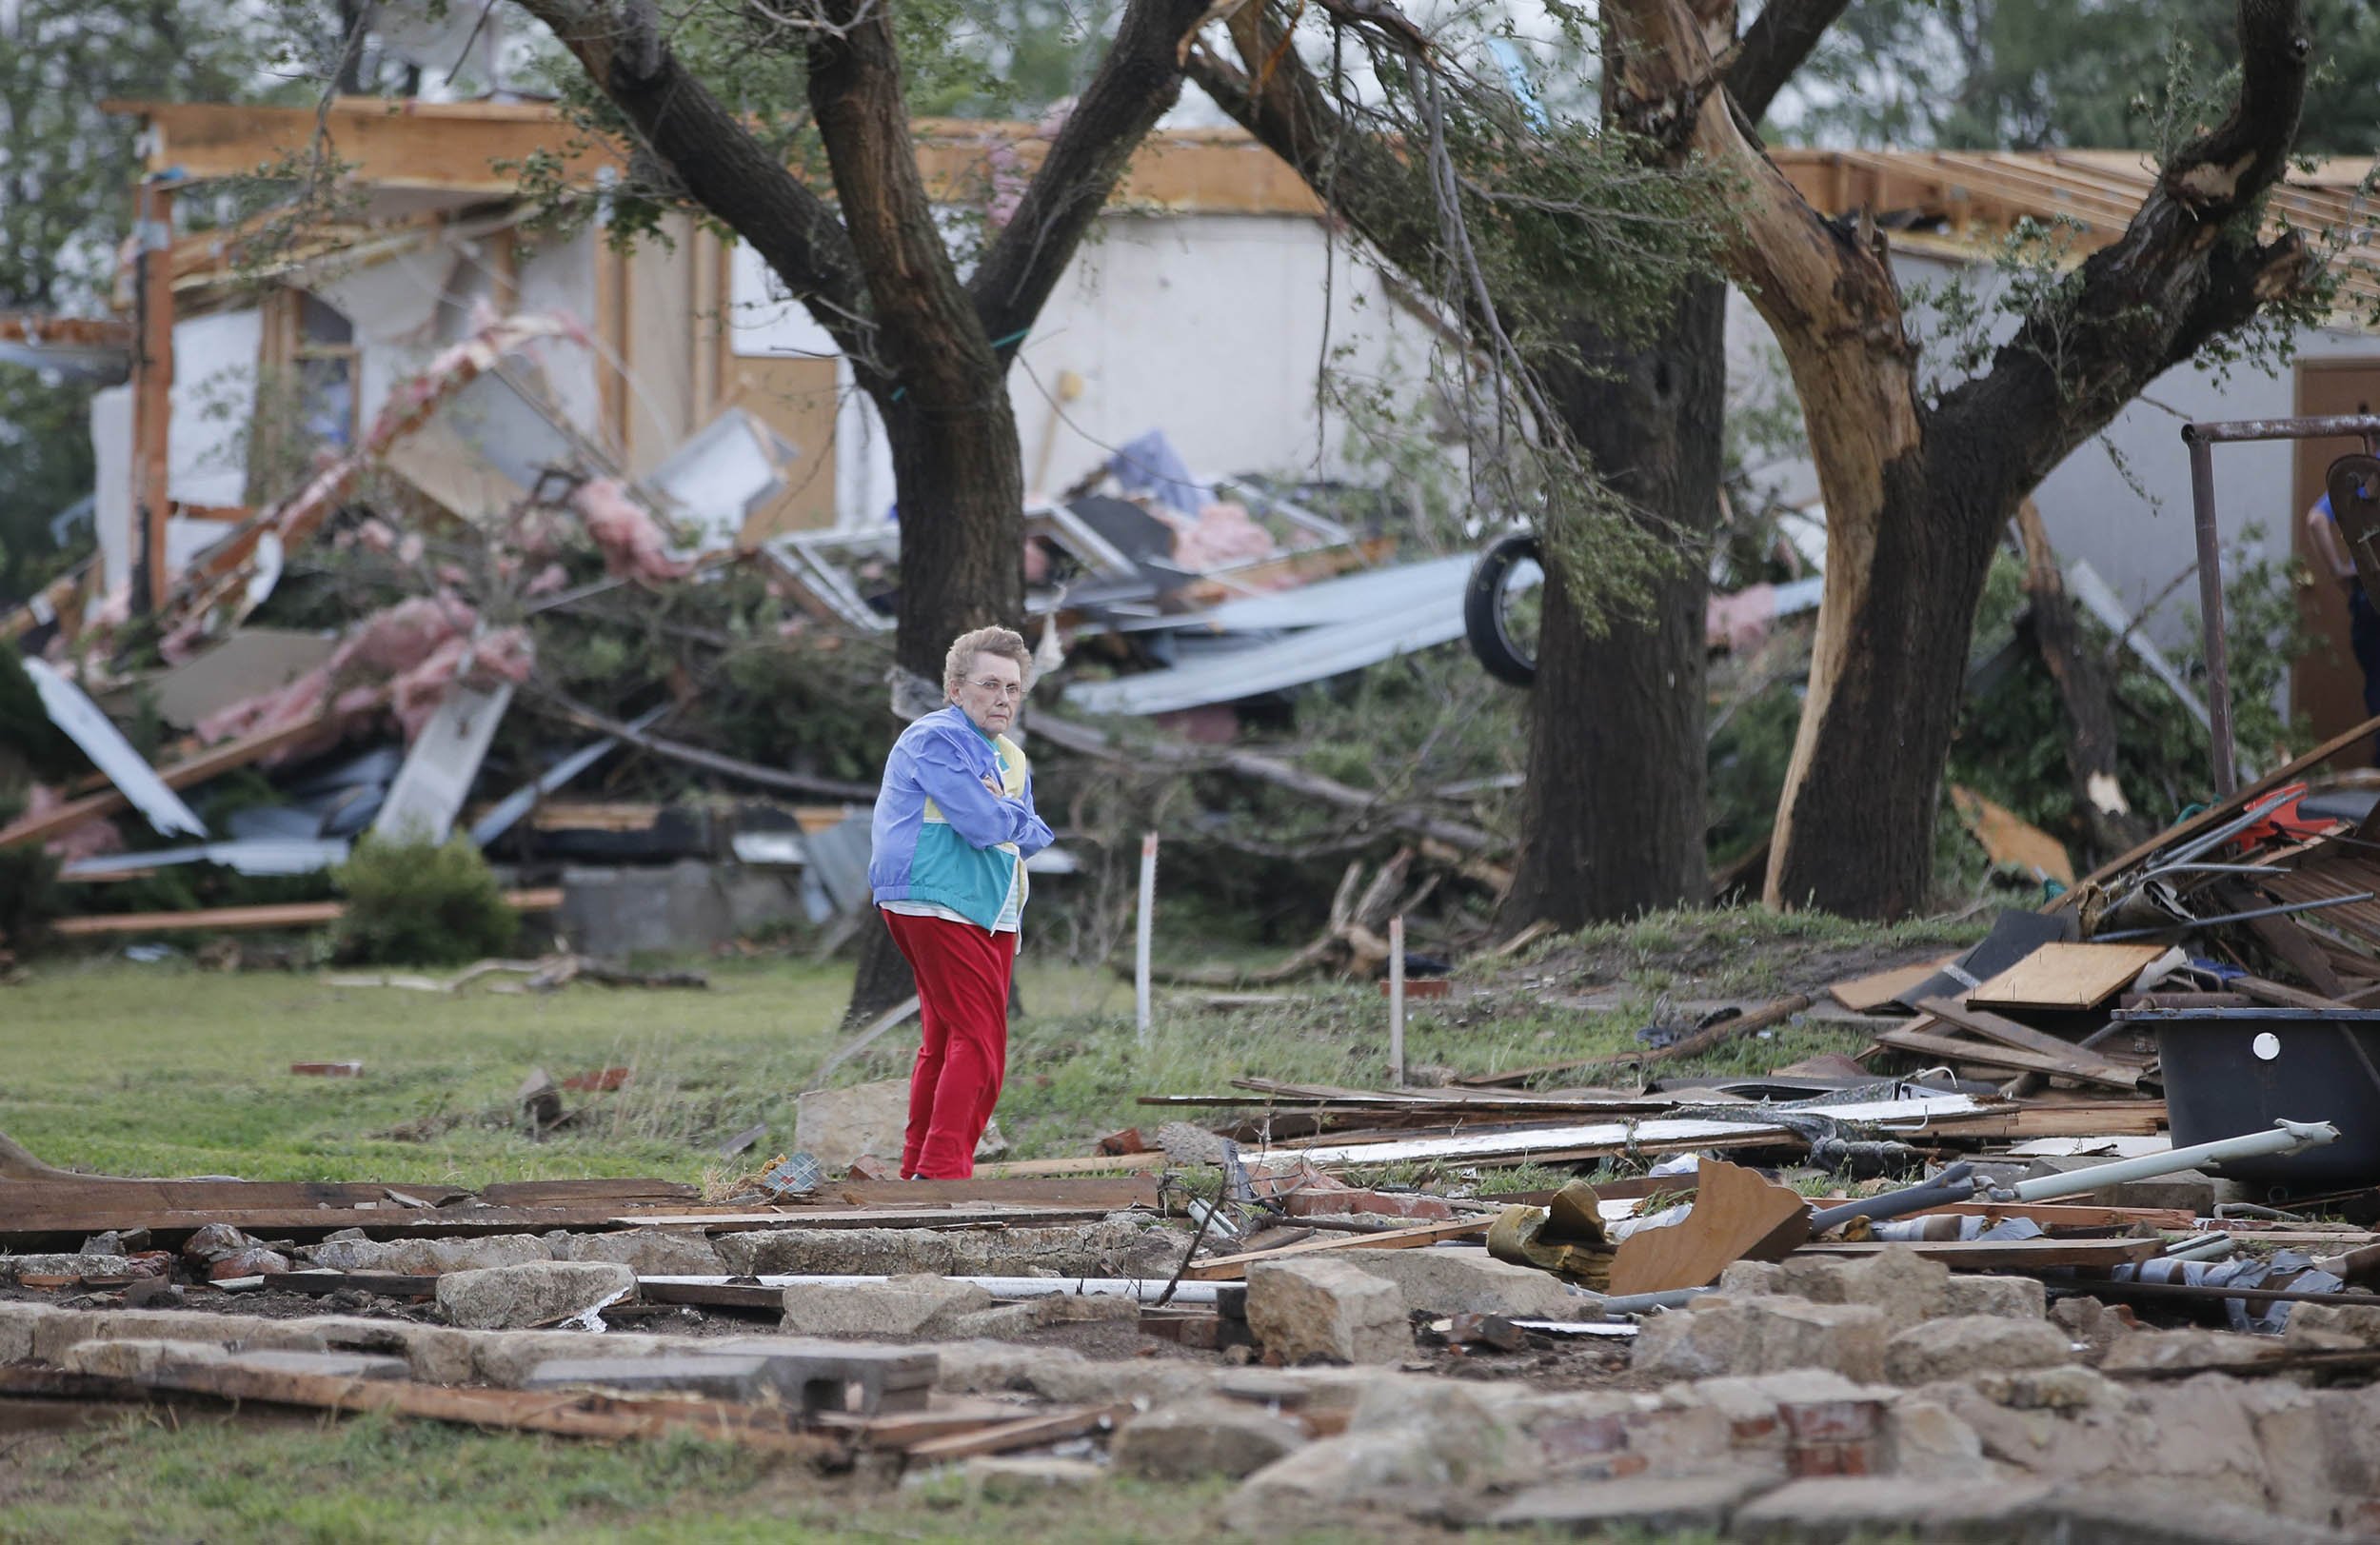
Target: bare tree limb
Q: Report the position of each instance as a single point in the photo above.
(941, 356)
(1137, 81)
(1775, 45)
(721, 165)
(1085, 740)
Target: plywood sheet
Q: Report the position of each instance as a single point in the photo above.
(2066, 975)
(1865, 995)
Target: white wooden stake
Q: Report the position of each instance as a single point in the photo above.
(1141, 947)
(1397, 1003)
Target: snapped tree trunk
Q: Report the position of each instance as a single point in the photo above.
(1613, 814)
(1916, 491)
(1855, 829)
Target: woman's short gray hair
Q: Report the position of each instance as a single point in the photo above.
(1004, 642)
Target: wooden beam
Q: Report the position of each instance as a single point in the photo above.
(212, 763)
(153, 388)
(456, 146)
(235, 919)
(1231, 1268)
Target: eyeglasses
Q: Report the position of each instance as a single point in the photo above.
(1013, 691)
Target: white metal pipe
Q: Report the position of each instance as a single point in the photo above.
(1397, 1003)
(1146, 1289)
(1141, 936)
(2286, 1137)
(2212, 1247)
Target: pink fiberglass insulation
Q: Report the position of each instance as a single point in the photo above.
(1222, 536)
(87, 840)
(633, 542)
(409, 652)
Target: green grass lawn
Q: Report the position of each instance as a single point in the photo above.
(165, 1069)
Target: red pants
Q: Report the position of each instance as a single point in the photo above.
(962, 978)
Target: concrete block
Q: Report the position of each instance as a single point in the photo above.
(1198, 1438)
(1764, 1336)
(2009, 1297)
(2189, 1349)
(835, 1126)
(1467, 1280)
(1903, 1286)
(914, 1305)
(1843, 1507)
(2331, 1327)
(807, 1377)
(136, 1358)
(482, 1253)
(532, 1294)
(1002, 1478)
(1310, 1309)
(321, 1364)
(646, 1252)
(17, 1323)
(1643, 1504)
(1960, 1346)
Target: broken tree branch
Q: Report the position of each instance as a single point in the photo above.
(1085, 740)
(751, 772)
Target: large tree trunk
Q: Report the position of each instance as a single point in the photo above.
(1612, 814)
(1855, 828)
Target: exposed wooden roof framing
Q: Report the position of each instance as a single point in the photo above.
(451, 154)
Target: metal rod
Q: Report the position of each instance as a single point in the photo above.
(1144, 1288)
(2211, 614)
(2238, 916)
(1954, 1184)
(2286, 1137)
(1141, 936)
(1397, 1003)
(1638, 1303)
(2232, 430)
(2100, 1288)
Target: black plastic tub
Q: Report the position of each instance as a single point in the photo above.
(2232, 1071)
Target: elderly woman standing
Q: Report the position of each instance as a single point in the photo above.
(954, 825)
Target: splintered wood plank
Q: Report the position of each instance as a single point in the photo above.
(1865, 995)
(1737, 1216)
(1093, 1164)
(2085, 1061)
(1231, 1268)
(284, 915)
(1028, 1432)
(571, 1414)
(2003, 1056)
(2066, 975)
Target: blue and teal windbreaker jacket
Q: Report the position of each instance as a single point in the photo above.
(940, 835)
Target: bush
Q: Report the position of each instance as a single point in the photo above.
(416, 903)
(31, 898)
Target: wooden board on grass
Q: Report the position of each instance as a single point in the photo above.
(1865, 995)
(2066, 977)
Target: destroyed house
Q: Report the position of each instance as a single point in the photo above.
(1200, 307)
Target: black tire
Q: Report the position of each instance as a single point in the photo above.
(1484, 621)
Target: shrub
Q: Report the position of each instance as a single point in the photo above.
(30, 897)
(419, 903)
